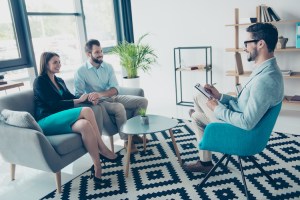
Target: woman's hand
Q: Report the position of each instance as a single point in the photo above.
(212, 91)
(83, 98)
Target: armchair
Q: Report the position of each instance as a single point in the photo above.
(31, 148)
(230, 140)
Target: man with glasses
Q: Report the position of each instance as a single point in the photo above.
(263, 90)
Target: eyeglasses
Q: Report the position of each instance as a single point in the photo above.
(248, 41)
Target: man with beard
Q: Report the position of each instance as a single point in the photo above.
(97, 78)
(262, 91)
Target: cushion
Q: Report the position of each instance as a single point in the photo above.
(20, 119)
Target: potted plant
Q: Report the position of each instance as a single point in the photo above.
(135, 57)
(144, 117)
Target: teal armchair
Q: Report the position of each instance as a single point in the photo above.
(230, 140)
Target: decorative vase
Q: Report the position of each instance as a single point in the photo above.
(281, 44)
(145, 120)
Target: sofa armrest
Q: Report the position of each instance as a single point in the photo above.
(26, 147)
(131, 91)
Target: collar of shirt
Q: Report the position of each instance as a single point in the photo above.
(89, 65)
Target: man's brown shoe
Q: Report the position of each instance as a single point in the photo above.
(138, 140)
(197, 167)
(133, 147)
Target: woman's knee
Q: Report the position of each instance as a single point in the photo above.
(82, 125)
(87, 112)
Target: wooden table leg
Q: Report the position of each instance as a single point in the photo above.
(144, 142)
(175, 146)
(128, 154)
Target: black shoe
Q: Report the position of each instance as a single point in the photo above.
(95, 179)
(104, 159)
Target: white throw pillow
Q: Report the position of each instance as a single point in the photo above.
(20, 119)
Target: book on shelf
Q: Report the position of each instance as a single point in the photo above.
(191, 68)
(267, 14)
(238, 63)
(273, 14)
(287, 72)
(295, 98)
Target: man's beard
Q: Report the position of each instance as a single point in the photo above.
(95, 60)
(252, 55)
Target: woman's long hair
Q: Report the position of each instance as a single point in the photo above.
(45, 57)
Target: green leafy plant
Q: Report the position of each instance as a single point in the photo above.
(142, 112)
(135, 56)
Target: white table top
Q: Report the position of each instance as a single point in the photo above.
(156, 123)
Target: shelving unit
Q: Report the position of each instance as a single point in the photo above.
(236, 25)
(199, 68)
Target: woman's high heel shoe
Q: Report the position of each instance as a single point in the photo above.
(103, 158)
(96, 180)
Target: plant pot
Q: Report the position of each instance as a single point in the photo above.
(131, 82)
(145, 120)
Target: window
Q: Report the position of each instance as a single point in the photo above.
(13, 52)
(30, 27)
(100, 21)
(8, 43)
(52, 30)
(55, 6)
(58, 34)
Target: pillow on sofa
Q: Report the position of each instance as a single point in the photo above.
(20, 119)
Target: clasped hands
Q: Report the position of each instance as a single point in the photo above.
(92, 97)
(212, 103)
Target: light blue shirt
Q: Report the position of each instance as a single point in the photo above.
(90, 79)
(263, 90)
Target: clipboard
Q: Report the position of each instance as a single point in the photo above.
(201, 89)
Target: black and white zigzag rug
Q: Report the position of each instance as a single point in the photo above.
(156, 173)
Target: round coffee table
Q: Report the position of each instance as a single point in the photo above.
(157, 123)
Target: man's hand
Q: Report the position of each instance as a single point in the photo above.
(95, 102)
(212, 104)
(212, 91)
(94, 96)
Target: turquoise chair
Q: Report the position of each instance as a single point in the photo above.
(233, 141)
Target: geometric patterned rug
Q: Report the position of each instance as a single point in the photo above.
(156, 173)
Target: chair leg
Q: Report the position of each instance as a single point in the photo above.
(261, 169)
(227, 161)
(212, 170)
(12, 171)
(58, 182)
(111, 138)
(243, 177)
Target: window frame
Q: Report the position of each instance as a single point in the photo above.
(22, 39)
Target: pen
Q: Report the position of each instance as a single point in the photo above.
(214, 84)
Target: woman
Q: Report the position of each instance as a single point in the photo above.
(56, 114)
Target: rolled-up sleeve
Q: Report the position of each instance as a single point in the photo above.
(113, 83)
(79, 83)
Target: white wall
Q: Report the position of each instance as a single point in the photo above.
(174, 23)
